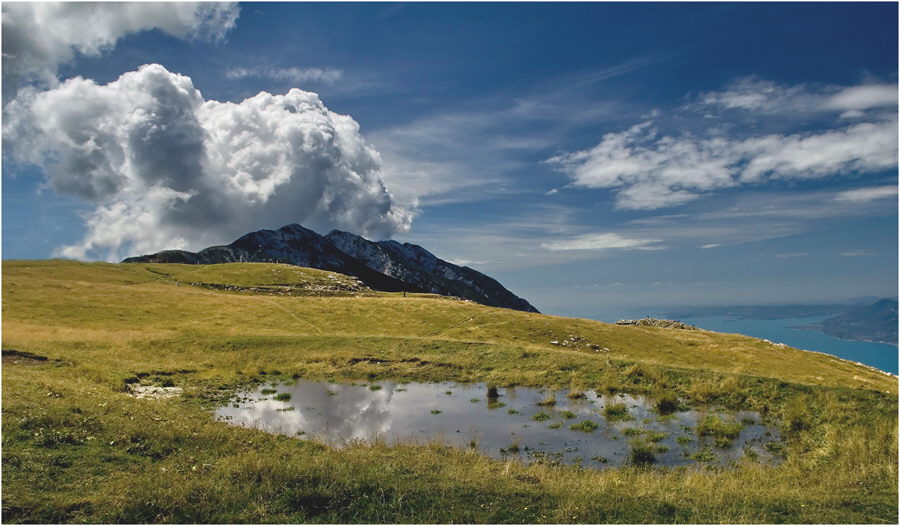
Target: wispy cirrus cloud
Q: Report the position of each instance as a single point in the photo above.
(604, 241)
(293, 75)
(862, 195)
(469, 152)
(649, 168)
(759, 95)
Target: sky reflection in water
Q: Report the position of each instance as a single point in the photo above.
(459, 414)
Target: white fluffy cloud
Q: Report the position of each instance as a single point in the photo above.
(38, 37)
(648, 169)
(167, 169)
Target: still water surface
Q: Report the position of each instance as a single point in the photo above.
(505, 426)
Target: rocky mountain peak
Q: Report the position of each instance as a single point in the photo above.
(383, 265)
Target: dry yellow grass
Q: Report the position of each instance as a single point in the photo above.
(77, 448)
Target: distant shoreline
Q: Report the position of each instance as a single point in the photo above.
(819, 329)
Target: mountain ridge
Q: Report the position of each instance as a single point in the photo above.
(414, 264)
(876, 322)
(383, 265)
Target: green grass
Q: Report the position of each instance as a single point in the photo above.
(642, 454)
(704, 455)
(632, 431)
(548, 401)
(585, 426)
(77, 448)
(283, 397)
(616, 412)
(723, 430)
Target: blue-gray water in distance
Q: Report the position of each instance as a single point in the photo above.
(785, 331)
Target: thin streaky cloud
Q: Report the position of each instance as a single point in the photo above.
(290, 74)
(862, 195)
(605, 241)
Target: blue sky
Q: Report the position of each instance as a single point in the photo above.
(597, 159)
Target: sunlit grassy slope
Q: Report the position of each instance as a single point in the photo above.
(78, 448)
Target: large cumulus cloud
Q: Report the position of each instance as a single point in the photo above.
(165, 168)
(39, 37)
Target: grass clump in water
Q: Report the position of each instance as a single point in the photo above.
(667, 403)
(493, 404)
(555, 425)
(641, 454)
(704, 455)
(548, 401)
(722, 431)
(513, 449)
(585, 426)
(616, 412)
(655, 436)
(268, 391)
(540, 417)
(568, 415)
(631, 431)
(283, 397)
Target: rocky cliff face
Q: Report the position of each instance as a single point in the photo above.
(291, 244)
(383, 265)
(415, 265)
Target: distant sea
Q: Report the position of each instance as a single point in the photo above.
(877, 355)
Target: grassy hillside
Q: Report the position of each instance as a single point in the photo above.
(77, 448)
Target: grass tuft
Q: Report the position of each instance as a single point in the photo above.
(585, 426)
(616, 412)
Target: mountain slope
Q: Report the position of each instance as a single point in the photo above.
(876, 323)
(386, 265)
(413, 264)
(77, 448)
(291, 244)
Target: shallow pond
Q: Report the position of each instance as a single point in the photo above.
(592, 431)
